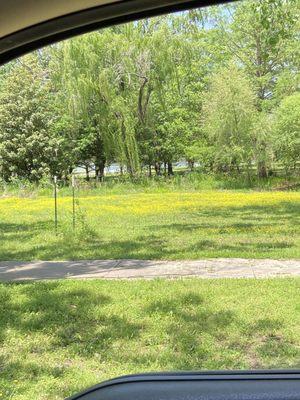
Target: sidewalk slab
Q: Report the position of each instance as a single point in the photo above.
(148, 269)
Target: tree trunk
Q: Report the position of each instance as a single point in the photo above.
(150, 171)
(99, 172)
(262, 169)
(157, 168)
(248, 169)
(170, 169)
(87, 173)
(191, 165)
(165, 168)
(129, 170)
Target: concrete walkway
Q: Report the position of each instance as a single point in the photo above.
(128, 269)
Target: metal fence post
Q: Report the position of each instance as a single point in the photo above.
(73, 195)
(55, 203)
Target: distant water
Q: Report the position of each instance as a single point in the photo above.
(115, 168)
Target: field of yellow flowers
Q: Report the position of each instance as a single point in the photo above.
(167, 225)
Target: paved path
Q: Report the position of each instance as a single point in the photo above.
(127, 269)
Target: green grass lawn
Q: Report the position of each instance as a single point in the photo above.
(59, 337)
(153, 225)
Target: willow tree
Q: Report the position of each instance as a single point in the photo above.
(95, 76)
(229, 116)
(170, 81)
(152, 69)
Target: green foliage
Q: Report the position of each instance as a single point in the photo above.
(27, 114)
(97, 76)
(229, 115)
(203, 86)
(260, 38)
(287, 132)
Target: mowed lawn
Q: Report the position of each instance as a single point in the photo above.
(153, 225)
(58, 337)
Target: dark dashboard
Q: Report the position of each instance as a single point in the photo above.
(245, 385)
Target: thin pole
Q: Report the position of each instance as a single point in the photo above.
(73, 194)
(55, 203)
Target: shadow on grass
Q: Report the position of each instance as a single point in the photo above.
(75, 322)
(70, 248)
(68, 317)
(71, 321)
(193, 320)
(14, 231)
(239, 247)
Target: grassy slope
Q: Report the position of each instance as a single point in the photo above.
(58, 337)
(154, 225)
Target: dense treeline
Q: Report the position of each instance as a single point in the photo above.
(217, 86)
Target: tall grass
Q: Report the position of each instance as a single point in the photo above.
(180, 181)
